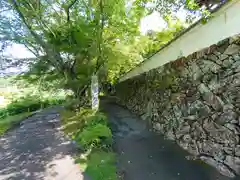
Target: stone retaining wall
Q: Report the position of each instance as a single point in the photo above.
(194, 101)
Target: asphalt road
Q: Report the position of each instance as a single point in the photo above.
(145, 155)
(37, 150)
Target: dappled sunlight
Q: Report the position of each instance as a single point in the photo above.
(38, 151)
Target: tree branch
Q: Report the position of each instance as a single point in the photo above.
(39, 40)
(35, 53)
(68, 9)
(53, 55)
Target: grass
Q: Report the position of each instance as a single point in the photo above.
(27, 104)
(19, 108)
(89, 129)
(12, 121)
(99, 165)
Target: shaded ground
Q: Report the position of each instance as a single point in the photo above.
(144, 155)
(37, 150)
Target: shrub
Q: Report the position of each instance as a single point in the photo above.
(90, 130)
(75, 122)
(97, 118)
(88, 127)
(27, 104)
(72, 122)
(96, 136)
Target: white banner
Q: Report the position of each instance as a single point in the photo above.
(94, 91)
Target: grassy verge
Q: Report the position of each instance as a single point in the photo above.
(99, 165)
(20, 108)
(11, 121)
(89, 129)
(27, 104)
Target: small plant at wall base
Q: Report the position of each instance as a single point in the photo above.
(89, 129)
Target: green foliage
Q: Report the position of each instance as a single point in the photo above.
(72, 104)
(97, 136)
(153, 42)
(75, 45)
(90, 130)
(101, 165)
(97, 118)
(104, 38)
(76, 122)
(11, 121)
(27, 104)
(191, 4)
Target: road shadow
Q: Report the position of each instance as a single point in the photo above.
(38, 150)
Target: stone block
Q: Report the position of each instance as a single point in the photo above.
(183, 144)
(223, 169)
(209, 160)
(182, 131)
(223, 57)
(198, 132)
(158, 127)
(236, 57)
(228, 150)
(193, 148)
(237, 150)
(236, 67)
(227, 62)
(233, 128)
(220, 134)
(212, 57)
(227, 116)
(170, 135)
(233, 163)
(210, 98)
(194, 70)
(187, 138)
(207, 65)
(232, 49)
(213, 101)
(218, 153)
(199, 109)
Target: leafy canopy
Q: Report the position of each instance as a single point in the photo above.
(73, 39)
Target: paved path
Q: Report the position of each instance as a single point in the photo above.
(144, 155)
(37, 150)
